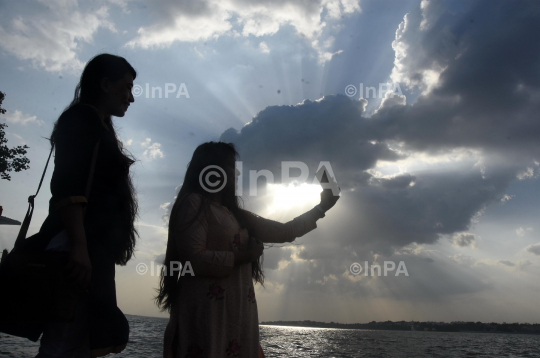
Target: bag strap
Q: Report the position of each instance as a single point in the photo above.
(28, 217)
(26, 222)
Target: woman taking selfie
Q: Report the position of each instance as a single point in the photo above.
(104, 235)
(214, 312)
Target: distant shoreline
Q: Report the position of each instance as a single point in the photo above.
(464, 327)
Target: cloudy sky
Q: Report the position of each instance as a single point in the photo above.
(439, 164)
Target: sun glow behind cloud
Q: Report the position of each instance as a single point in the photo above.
(292, 196)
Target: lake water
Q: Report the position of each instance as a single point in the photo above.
(147, 334)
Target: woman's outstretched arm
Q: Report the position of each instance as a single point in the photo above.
(271, 231)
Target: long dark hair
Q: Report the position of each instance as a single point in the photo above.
(88, 91)
(210, 153)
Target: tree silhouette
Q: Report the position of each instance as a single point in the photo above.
(11, 159)
(2, 96)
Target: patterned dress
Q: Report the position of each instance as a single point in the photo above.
(215, 314)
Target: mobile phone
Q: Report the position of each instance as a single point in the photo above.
(325, 177)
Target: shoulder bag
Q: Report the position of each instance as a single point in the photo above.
(33, 285)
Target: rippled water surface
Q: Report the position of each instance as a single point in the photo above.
(147, 335)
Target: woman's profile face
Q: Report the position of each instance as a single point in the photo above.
(118, 95)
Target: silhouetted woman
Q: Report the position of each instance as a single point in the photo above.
(105, 236)
(214, 313)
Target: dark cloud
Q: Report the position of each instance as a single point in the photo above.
(534, 249)
(438, 203)
(313, 131)
(480, 86)
(487, 93)
(485, 99)
(507, 263)
(380, 213)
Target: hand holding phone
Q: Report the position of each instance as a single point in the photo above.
(328, 199)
